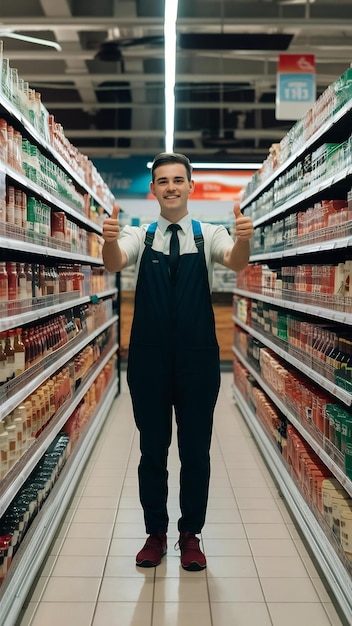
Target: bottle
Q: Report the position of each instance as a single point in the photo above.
(36, 417)
(42, 280)
(21, 282)
(19, 209)
(29, 422)
(44, 417)
(10, 205)
(36, 281)
(4, 451)
(3, 360)
(20, 421)
(10, 354)
(43, 334)
(12, 280)
(17, 423)
(26, 343)
(32, 347)
(4, 288)
(51, 385)
(29, 280)
(50, 281)
(38, 343)
(348, 369)
(11, 430)
(20, 352)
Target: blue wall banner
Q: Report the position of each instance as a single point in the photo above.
(126, 177)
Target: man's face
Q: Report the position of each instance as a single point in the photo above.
(172, 188)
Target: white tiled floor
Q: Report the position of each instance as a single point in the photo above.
(259, 572)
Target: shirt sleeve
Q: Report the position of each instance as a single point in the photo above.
(221, 241)
(130, 241)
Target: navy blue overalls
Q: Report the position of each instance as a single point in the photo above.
(173, 361)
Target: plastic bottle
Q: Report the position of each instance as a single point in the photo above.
(20, 421)
(11, 430)
(10, 354)
(10, 205)
(29, 280)
(21, 281)
(20, 351)
(12, 280)
(4, 288)
(3, 360)
(4, 451)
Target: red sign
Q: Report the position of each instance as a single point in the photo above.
(296, 63)
(219, 184)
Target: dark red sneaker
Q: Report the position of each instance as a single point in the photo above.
(153, 551)
(192, 558)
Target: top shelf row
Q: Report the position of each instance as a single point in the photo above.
(334, 104)
(24, 107)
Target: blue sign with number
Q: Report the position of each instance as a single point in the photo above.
(297, 87)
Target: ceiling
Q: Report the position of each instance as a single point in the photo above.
(225, 98)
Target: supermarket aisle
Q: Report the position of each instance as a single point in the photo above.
(259, 572)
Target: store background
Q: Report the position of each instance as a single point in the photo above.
(225, 98)
(113, 111)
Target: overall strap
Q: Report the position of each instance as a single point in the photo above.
(149, 235)
(197, 234)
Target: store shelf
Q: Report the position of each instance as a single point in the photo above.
(335, 242)
(329, 386)
(25, 465)
(44, 143)
(52, 199)
(41, 309)
(324, 455)
(307, 194)
(330, 564)
(312, 248)
(37, 542)
(50, 365)
(17, 244)
(319, 134)
(317, 311)
(53, 253)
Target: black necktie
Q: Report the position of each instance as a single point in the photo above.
(174, 249)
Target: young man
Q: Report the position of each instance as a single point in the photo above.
(173, 360)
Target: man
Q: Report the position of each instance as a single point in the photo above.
(173, 357)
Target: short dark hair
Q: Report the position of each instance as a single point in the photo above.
(172, 157)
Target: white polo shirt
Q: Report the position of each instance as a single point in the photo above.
(216, 241)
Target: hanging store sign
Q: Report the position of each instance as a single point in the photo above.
(220, 185)
(295, 85)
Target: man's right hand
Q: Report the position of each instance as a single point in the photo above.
(111, 226)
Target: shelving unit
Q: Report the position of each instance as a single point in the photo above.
(335, 184)
(17, 245)
(31, 553)
(322, 550)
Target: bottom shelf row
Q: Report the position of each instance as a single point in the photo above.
(30, 522)
(320, 505)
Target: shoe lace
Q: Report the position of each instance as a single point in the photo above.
(187, 540)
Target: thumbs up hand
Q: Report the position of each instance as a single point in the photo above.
(111, 225)
(243, 225)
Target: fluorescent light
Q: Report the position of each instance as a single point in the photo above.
(170, 18)
(41, 42)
